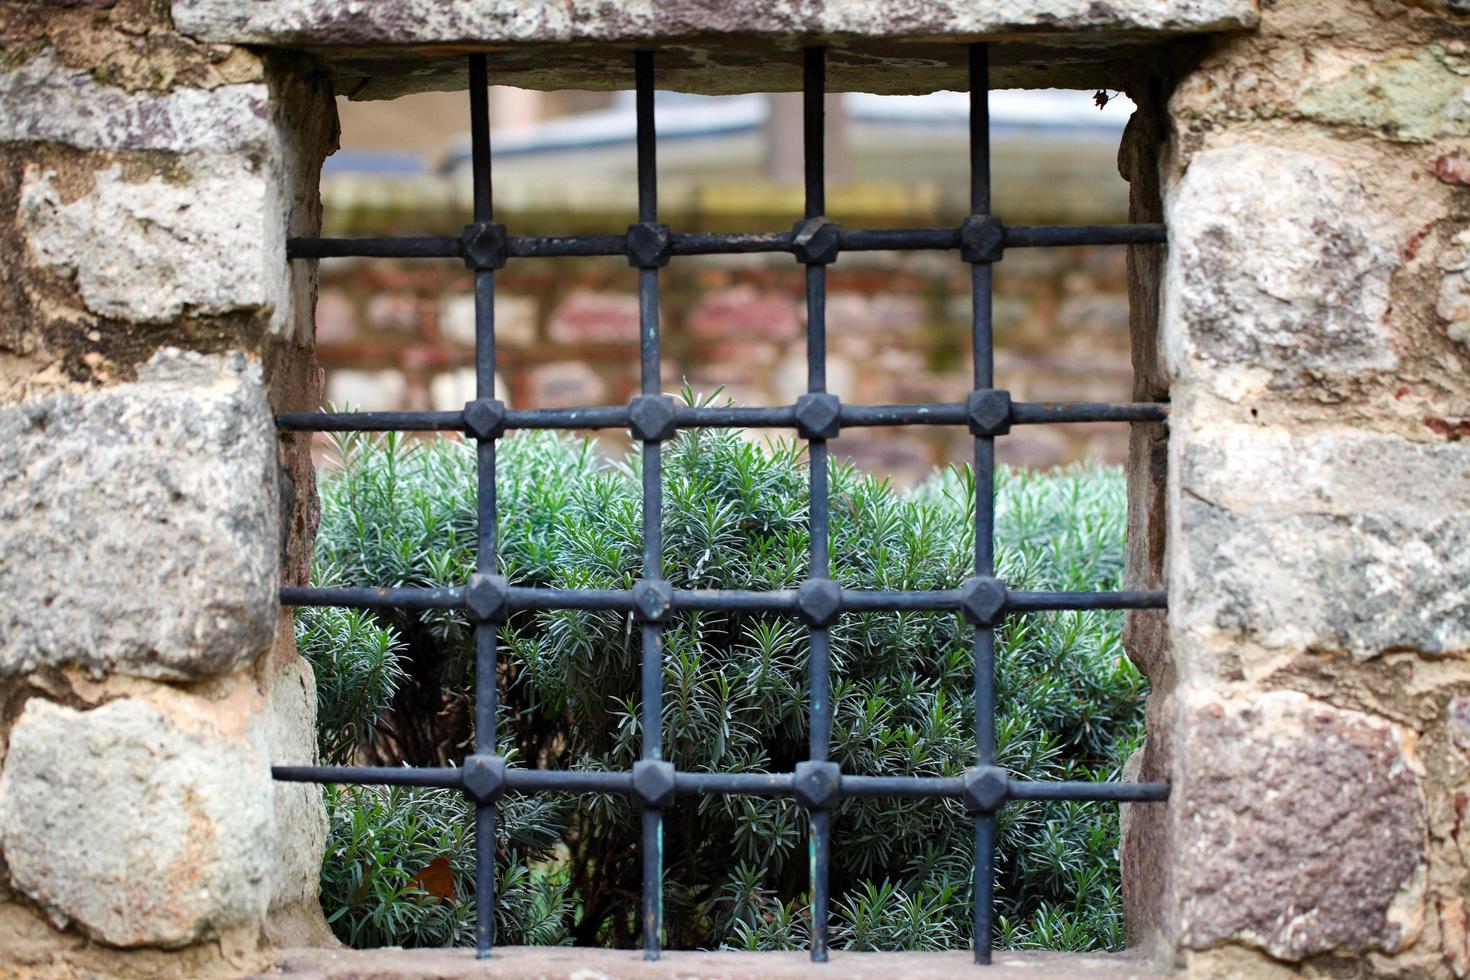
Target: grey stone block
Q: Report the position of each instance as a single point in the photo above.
(1328, 542)
(139, 525)
(43, 99)
(139, 822)
(1278, 273)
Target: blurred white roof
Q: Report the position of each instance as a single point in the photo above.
(679, 116)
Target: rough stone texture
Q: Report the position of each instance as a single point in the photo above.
(141, 821)
(1277, 272)
(1326, 542)
(138, 524)
(1452, 304)
(147, 185)
(46, 100)
(1306, 836)
(612, 964)
(300, 822)
(199, 243)
(1413, 96)
(423, 21)
(744, 46)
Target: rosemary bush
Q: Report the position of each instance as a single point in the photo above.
(396, 688)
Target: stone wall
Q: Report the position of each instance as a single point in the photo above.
(149, 326)
(1311, 678)
(1307, 506)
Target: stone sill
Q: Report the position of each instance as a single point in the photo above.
(567, 963)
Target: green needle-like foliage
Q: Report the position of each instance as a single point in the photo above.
(396, 688)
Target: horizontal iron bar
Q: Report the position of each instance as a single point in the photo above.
(1025, 601)
(733, 783)
(370, 422)
(442, 777)
(369, 597)
(720, 243)
(1039, 236)
(721, 783)
(1026, 789)
(909, 787)
(705, 417)
(776, 601)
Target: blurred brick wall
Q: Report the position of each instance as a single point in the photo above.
(400, 335)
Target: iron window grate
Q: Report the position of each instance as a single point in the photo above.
(652, 418)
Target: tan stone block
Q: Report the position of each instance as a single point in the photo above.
(142, 822)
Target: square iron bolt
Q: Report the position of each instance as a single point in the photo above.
(485, 245)
(649, 245)
(983, 599)
(816, 241)
(483, 778)
(818, 416)
(985, 789)
(651, 417)
(653, 599)
(816, 785)
(653, 782)
(484, 418)
(487, 597)
(819, 601)
(982, 238)
(988, 412)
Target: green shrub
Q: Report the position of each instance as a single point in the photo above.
(396, 687)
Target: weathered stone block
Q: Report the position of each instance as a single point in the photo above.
(1301, 827)
(1278, 273)
(1411, 96)
(138, 524)
(1323, 541)
(410, 45)
(204, 241)
(43, 99)
(300, 821)
(1452, 305)
(138, 821)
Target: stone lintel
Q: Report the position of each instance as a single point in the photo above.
(383, 49)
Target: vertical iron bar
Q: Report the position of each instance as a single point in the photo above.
(819, 726)
(984, 636)
(486, 634)
(652, 633)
